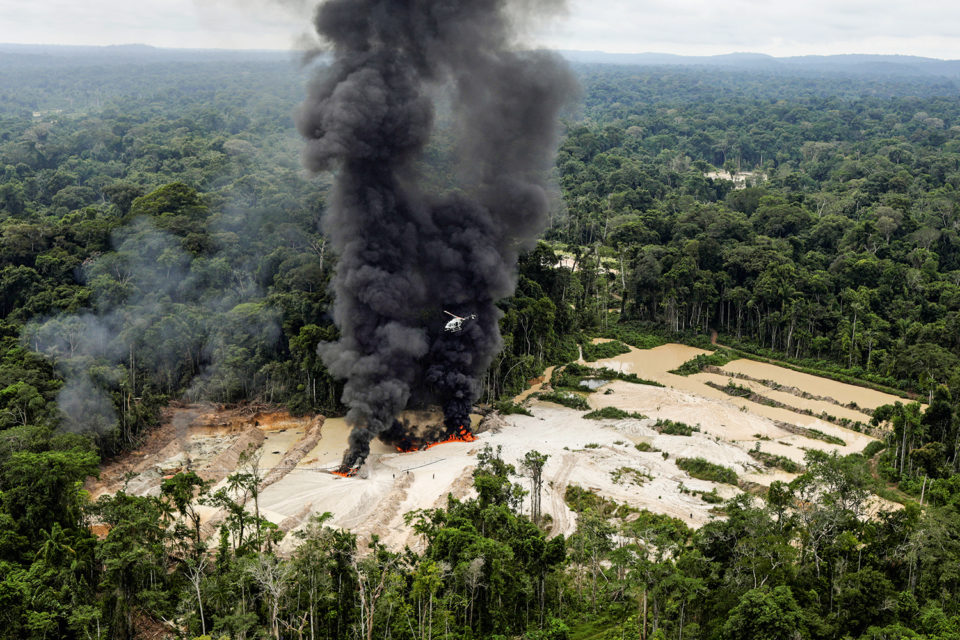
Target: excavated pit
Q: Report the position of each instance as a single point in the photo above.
(297, 454)
(210, 441)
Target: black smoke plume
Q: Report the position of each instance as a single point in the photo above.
(407, 253)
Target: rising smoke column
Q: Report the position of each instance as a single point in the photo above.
(407, 254)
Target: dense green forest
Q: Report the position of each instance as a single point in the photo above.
(160, 241)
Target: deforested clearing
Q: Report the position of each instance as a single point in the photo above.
(582, 452)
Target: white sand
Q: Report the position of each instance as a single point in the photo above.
(392, 484)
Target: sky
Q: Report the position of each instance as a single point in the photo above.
(687, 27)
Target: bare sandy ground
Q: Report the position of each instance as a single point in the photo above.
(600, 456)
(689, 399)
(582, 452)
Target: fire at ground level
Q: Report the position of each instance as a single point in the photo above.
(295, 455)
(409, 442)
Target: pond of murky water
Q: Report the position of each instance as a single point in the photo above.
(593, 383)
(842, 392)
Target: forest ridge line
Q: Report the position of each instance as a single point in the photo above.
(855, 63)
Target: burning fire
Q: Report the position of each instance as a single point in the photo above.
(345, 472)
(463, 434)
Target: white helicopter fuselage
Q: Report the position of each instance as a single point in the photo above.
(456, 324)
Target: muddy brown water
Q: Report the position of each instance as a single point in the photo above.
(789, 399)
(840, 391)
(655, 364)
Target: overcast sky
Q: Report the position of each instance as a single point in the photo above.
(692, 27)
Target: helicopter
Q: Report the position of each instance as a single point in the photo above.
(456, 324)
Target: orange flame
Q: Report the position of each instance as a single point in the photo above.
(463, 435)
(345, 474)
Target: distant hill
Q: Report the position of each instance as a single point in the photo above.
(71, 55)
(858, 64)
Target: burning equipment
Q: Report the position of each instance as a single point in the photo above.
(407, 251)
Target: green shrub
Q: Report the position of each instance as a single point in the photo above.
(612, 413)
(671, 428)
(711, 497)
(699, 362)
(632, 377)
(734, 389)
(509, 408)
(571, 375)
(826, 437)
(623, 474)
(580, 500)
(634, 337)
(873, 448)
(705, 470)
(567, 399)
(606, 373)
(603, 350)
(771, 460)
(644, 447)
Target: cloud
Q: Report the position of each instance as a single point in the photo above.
(774, 27)
(778, 27)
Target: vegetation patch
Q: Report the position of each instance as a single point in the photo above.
(705, 470)
(572, 376)
(622, 475)
(736, 390)
(873, 448)
(807, 432)
(634, 337)
(581, 500)
(567, 399)
(603, 350)
(746, 393)
(710, 497)
(645, 447)
(613, 413)
(826, 437)
(610, 374)
(672, 428)
(699, 362)
(772, 461)
(508, 408)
